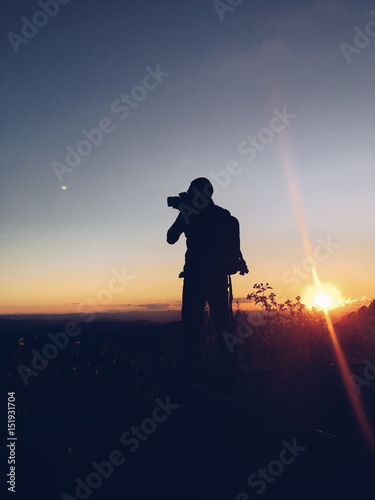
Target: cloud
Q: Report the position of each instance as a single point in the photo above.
(155, 307)
(240, 300)
(364, 301)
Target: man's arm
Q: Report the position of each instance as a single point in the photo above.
(175, 231)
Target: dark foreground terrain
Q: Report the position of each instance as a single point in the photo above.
(97, 422)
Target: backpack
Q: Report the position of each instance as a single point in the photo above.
(231, 257)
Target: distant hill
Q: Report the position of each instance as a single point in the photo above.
(139, 318)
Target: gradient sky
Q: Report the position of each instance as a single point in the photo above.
(59, 248)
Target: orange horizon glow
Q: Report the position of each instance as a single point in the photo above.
(14, 309)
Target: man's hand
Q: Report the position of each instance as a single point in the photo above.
(175, 231)
(242, 267)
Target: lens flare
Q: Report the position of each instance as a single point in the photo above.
(350, 389)
(322, 291)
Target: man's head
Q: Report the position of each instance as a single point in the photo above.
(201, 185)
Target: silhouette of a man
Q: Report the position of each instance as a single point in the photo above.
(205, 279)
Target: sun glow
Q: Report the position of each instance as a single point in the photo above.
(323, 296)
(322, 300)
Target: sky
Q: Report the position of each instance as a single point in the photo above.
(272, 101)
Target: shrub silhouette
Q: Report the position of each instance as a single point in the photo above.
(289, 334)
(292, 336)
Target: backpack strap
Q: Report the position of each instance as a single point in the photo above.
(230, 301)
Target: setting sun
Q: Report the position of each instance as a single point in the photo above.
(325, 296)
(322, 300)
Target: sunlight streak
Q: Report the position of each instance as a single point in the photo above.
(288, 164)
(350, 389)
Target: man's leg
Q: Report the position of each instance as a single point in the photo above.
(220, 313)
(193, 303)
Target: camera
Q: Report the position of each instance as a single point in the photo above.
(175, 201)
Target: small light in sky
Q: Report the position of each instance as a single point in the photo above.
(63, 187)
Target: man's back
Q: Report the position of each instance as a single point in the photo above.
(205, 239)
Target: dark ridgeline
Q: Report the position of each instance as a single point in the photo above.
(288, 368)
